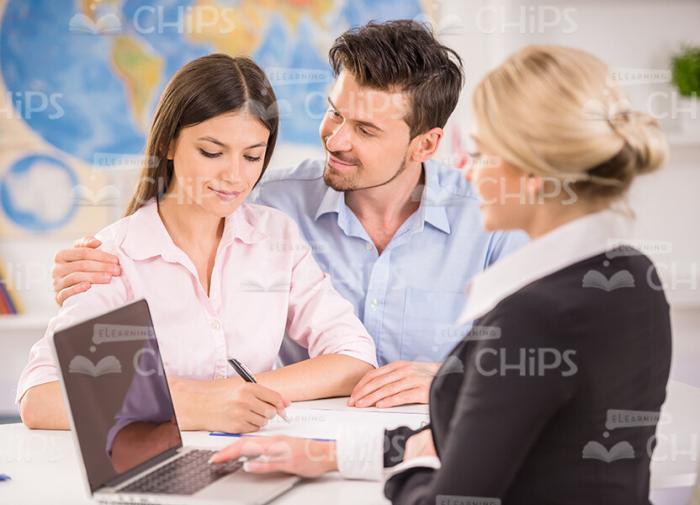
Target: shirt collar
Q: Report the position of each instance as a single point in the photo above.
(568, 244)
(147, 236)
(332, 201)
(432, 206)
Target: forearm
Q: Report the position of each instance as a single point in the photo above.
(42, 408)
(324, 376)
(191, 401)
(320, 377)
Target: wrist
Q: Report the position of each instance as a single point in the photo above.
(331, 464)
(188, 409)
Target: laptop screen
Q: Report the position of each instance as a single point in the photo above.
(118, 393)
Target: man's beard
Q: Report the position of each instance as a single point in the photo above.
(350, 182)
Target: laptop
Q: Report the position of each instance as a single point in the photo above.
(124, 424)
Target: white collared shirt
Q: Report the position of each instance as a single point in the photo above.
(565, 245)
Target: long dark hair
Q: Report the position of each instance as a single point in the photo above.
(204, 88)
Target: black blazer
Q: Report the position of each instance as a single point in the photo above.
(522, 418)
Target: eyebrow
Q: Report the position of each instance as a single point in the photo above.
(358, 121)
(219, 143)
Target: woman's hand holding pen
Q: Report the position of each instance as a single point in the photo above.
(244, 407)
(230, 405)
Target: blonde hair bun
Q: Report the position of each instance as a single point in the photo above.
(643, 135)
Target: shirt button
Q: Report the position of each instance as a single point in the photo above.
(374, 303)
(369, 246)
(215, 324)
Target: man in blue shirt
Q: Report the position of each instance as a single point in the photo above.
(399, 234)
(409, 290)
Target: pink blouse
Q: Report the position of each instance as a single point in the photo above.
(265, 283)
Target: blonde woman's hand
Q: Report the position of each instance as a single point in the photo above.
(298, 456)
(420, 444)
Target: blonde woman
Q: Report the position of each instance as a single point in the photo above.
(571, 342)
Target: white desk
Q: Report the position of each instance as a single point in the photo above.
(44, 467)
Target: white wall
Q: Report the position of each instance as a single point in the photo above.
(628, 35)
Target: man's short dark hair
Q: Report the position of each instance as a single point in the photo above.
(403, 55)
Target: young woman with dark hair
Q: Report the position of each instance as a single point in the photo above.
(223, 278)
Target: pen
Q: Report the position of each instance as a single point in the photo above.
(4, 477)
(239, 435)
(247, 376)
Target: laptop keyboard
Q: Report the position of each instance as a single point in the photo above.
(186, 475)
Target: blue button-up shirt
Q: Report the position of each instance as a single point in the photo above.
(410, 296)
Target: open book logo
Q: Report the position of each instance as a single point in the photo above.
(109, 23)
(595, 279)
(265, 287)
(83, 365)
(107, 196)
(452, 365)
(596, 450)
